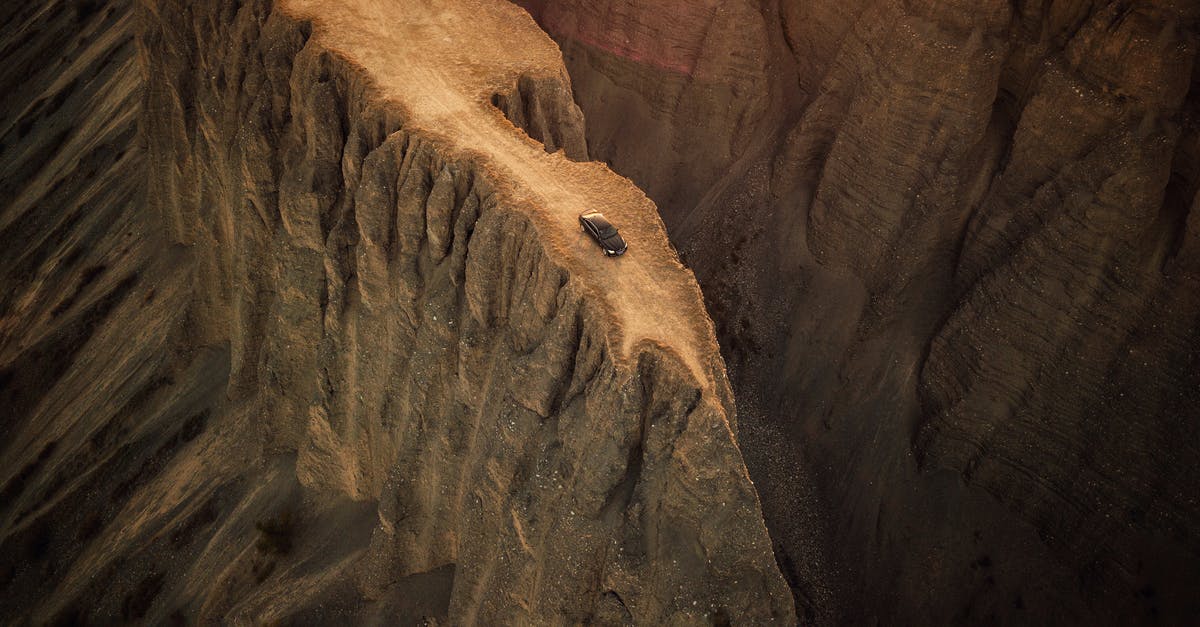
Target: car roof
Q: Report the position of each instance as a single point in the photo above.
(596, 218)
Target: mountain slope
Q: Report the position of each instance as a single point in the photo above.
(348, 356)
(951, 262)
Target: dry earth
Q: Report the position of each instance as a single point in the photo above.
(299, 327)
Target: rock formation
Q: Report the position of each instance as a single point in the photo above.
(297, 326)
(950, 250)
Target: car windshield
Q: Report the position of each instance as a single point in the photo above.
(602, 226)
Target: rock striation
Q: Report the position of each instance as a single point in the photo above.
(957, 288)
(311, 335)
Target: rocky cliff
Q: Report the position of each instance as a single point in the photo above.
(953, 270)
(298, 326)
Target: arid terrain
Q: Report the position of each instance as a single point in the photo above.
(298, 324)
(951, 254)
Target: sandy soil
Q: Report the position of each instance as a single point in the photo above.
(418, 53)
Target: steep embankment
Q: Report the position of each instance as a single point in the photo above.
(346, 355)
(957, 283)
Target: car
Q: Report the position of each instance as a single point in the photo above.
(596, 225)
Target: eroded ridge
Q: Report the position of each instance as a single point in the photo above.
(439, 62)
(395, 381)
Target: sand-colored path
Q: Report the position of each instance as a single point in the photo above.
(441, 60)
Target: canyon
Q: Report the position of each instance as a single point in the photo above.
(950, 250)
(298, 325)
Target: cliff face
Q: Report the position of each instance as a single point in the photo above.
(955, 277)
(336, 349)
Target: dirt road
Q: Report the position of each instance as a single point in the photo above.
(439, 62)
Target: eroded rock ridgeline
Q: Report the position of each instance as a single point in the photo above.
(555, 121)
(365, 388)
(462, 377)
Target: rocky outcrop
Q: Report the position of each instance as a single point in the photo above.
(958, 286)
(554, 120)
(337, 350)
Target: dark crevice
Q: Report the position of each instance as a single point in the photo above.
(16, 485)
(1173, 218)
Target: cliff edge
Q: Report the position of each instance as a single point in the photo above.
(338, 350)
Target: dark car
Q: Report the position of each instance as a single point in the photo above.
(595, 224)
